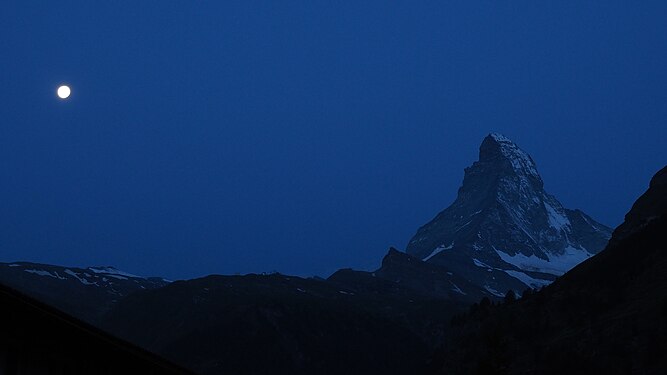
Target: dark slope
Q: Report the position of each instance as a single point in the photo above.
(606, 316)
(38, 339)
(274, 324)
(651, 205)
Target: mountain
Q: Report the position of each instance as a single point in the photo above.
(504, 231)
(86, 293)
(608, 315)
(277, 324)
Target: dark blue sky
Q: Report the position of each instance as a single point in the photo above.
(305, 136)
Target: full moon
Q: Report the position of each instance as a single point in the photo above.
(64, 92)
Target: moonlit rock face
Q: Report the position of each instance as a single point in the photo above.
(505, 231)
(64, 92)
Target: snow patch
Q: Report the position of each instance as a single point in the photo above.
(556, 219)
(117, 277)
(463, 226)
(112, 271)
(457, 289)
(45, 273)
(555, 265)
(81, 279)
(479, 263)
(493, 291)
(438, 250)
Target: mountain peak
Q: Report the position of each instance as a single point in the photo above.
(497, 148)
(499, 138)
(504, 229)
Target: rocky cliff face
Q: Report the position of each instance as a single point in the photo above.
(504, 231)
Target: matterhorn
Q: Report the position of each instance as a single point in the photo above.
(504, 231)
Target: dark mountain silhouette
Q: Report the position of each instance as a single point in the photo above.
(606, 316)
(276, 324)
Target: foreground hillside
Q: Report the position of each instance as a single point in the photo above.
(37, 339)
(276, 324)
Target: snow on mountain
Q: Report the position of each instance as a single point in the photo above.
(111, 271)
(42, 273)
(83, 292)
(521, 161)
(504, 231)
(96, 276)
(554, 264)
(438, 250)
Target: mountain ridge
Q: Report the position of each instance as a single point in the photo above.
(85, 293)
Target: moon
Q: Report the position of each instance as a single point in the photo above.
(64, 92)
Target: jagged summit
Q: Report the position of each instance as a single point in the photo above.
(504, 230)
(496, 148)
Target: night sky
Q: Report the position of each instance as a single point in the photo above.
(306, 136)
